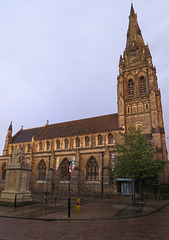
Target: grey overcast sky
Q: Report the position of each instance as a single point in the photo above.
(59, 58)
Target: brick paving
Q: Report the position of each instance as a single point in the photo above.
(151, 227)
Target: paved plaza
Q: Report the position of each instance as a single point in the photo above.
(101, 219)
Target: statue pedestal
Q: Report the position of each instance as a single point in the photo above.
(17, 183)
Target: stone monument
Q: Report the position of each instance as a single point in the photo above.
(17, 180)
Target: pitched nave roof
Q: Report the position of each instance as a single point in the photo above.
(66, 129)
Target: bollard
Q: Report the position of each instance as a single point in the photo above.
(77, 208)
(15, 201)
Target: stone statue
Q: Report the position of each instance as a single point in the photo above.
(17, 181)
(18, 155)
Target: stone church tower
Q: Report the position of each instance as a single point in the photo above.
(139, 99)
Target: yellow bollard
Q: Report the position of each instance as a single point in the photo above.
(77, 208)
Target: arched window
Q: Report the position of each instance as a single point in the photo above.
(100, 140)
(64, 166)
(77, 142)
(40, 146)
(58, 144)
(130, 87)
(28, 147)
(142, 85)
(110, 138)
(47, 145)
(42, 170)
(87, 141)
(92, 169)
(11, 149)
(66, 143)
(3, 170)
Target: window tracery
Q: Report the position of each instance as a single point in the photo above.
(92, 169)
(64, 168)
(142, 85)
(42, 170)
(130, 87)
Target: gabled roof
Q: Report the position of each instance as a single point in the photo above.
(66, 129)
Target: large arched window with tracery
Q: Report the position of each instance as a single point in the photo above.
(64, 166)
(42, 170)
(110, 138)
(92, 169)
(3, 171)
(100, 140)
(77, 142)
(142, 85)
(130, 87)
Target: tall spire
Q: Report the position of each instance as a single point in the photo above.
(134, 36)
(135, 47)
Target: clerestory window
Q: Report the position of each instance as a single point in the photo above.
(77, 142)
(100, 140)
(110, 138)
(58, 144)
(87, 141)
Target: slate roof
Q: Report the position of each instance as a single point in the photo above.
(66, 129)
(25, 135)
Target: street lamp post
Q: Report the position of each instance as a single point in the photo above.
(69, 173)
(102, 172)
(46, 200)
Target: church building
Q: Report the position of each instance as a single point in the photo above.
(88, 145)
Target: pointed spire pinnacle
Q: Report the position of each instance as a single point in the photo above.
(10, 127)
(132, 10)
(148, 54)
(120, 61)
